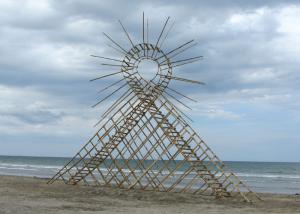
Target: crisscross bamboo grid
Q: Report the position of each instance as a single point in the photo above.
(146, 143)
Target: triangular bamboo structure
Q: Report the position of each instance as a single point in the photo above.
(146, 143)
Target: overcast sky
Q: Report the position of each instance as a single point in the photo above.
(249, 108)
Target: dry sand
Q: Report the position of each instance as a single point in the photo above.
(33, 195)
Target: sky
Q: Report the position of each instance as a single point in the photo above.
(248, 110)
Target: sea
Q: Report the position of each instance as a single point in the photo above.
(264, 177)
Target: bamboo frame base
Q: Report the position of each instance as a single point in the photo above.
(145, 148)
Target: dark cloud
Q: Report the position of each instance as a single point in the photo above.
(38, 116)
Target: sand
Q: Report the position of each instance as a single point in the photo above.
(33, 195)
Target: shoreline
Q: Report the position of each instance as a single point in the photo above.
(48, 178)
(19, 194)
(282, 178)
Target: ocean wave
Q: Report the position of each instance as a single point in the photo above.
(288, 176)
(35, 167)
(15, 166)
(165, 172)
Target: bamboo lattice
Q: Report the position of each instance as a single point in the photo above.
(147, 143)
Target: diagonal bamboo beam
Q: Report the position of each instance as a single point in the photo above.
(105, 98)
(161, 33)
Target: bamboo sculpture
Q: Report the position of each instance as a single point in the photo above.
(146, 143)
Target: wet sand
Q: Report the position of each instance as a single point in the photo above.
(33, 195)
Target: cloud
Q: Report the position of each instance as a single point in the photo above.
(27, 110)
(251, 58)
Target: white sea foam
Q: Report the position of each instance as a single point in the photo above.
(15, 166)
(286, 176)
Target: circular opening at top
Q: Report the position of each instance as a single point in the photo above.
(148, 69)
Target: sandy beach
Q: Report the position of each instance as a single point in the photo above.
(33, 195)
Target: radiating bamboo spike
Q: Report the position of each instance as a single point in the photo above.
(188, 80)
(109, 95)
(174, 108)
(147, 37)
(177, 92)
(115, 113)
(183, 60)
(122, 70)
(181, 64)
(175, 49)
(177, 100)
(107, 36)
(181, 51)
(116, 49)
(162, 31)
(172, 104)
(144, 30)
(164, 39)
(117, 102)
(122, 97)
(183, 79)
(126, 33)
(115, 83)
(106, 76)
(143, 27)
(114, 65)
(116, 60)
(177, 109)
